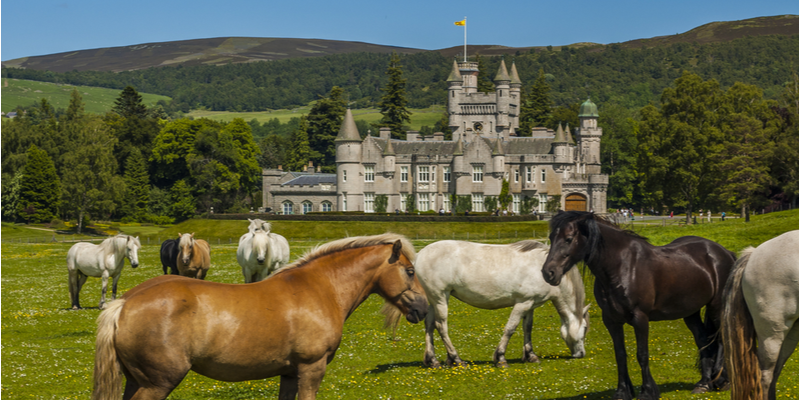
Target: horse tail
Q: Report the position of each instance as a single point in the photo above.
(107, 369)
(739, 336)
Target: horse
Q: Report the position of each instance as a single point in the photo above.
(493, 277)
(194, 256)
(103, 260)
(258, 225)
(261, 253)
(636, 282)
(168, 325)
(169, 255)
(760, 316)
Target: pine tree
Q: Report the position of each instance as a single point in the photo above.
(137, 184)
(535, 106)
(132, 124)
(129, 104)
(393, 102)
(40, 188)
(324, 121)
(299, 151)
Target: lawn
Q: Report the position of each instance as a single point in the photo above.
(96, 100)
(48, 349)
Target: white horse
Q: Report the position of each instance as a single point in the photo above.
(261, 252)
(103, 260)
(498, 276)
(760, 316)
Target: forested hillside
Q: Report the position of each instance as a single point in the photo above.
(630, 77)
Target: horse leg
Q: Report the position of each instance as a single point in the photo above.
(527, 349)
(440, 309)
(773, 351)
(114, 286)
(81, 280)
(288, 388)
(429, 359)
(624, 384)
(74, 289)
(517, 312)
(103, 292)
(309, 377)
(641, 328)
(695, 324)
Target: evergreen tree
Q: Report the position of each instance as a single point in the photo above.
(183, 203)
(535, 107)
(324, 121)
(137, 185)
(443, 125)
(40, 188)
(505, 197)
(129, 104)
(132, 124)
(299, 151)
(393, 102)
(10, 193)
(485, 84)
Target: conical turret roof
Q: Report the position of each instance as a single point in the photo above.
(459, 151)
(514, 75)
(502, 72)
(560, 135)
(389, 150)
(498, 148)
(568, 134)
(348, 132)
(455, 75)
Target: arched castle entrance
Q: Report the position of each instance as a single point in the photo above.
(575, 202)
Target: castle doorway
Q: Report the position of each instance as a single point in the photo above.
(575, 202)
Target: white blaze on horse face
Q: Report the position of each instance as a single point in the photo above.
(132, 251)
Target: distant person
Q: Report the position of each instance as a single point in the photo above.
(723, 215)
(505, 213)
(441, 212)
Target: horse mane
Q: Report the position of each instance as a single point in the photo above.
(527, 245)
(588, 224)
(181, 240)
(115, 244)
(353, 243)
(576, 280)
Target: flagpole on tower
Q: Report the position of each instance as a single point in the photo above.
(465, 39)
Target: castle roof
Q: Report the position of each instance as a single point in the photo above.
(568, 134)
(588, 109)
(455, 75)
(312, 179)
(388, 149)
(560, 138)
(497, 149)
(502, 73)
(348, 132)
(514, 75)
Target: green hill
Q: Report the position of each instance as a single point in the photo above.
(18, 92)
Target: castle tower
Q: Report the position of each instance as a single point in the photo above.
(515, 89)
(503, 90)
(589, 135)
(498, 159)
(469, 73)
(454, 88)
(560, 147)
(348, 165)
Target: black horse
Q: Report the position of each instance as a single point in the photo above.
(636, 282)
(169, 256)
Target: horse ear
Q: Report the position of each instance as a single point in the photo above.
(586, 309)
(192, 235)
(179, 235)
(250, 220)
(397, 247)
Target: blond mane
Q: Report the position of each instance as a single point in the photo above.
(354, 242)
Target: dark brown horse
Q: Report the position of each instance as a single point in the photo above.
(288, 325)
(636, 282)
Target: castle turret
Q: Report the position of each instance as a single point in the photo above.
(389, 158)
(560, 146)
(515, 89)
(498, 158)
(589, 135)
(454, 87)
(348, 164)
(502, 87)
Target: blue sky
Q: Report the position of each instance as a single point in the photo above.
(31, 28)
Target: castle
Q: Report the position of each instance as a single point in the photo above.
(428, 170)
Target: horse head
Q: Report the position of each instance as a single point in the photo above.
(132, 246)
(573, 236)
(185, 247)
(399, 286)
(574, 332)
(260, 243)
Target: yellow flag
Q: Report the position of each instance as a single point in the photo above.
(461, 23)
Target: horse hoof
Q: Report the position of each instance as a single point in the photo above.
(725, 387)
(700, 388)
(435, 364)
(76, 308)
(501, 364)
(532, 359)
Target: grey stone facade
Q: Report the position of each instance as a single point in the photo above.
(485, 150)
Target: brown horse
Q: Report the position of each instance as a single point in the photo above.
(194, 256)
(636, 282)
(168, 325)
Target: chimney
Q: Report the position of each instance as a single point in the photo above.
(438, 136)
(280, 167)
(412, 136)
(305, 168)
(310, 166)
(385, 133)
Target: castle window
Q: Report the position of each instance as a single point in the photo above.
(423, 201)
(344, 175)
(423, 174)
(403, 202)
(446, 202)
(369, 173)
(477, 173)
(515, 203)
(477, 202)
(528, 174)
(369, 202)
(446, 174)
(543, 174)
(516, 176)
(542, 202)
(344, 201)
(403, 174)
(326, 206)
(288, 208)
(307, 207)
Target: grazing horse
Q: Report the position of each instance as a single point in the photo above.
(760, 317)
(165, 327)
(261, 253)
(103, 260)
(636, 282)
(492, 277)
(194, 256)
(169, 255)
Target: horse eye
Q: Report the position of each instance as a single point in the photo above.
(410, 272)
(568, 240)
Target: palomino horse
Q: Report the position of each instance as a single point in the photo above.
(498, 276)
(166, 326)
(194, 256)
(261, 252)
(103, 260)
(636, 282)
(759, 325)
(169, 255)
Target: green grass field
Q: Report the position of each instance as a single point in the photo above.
(48, 350)
(17, 92)
(419, 117)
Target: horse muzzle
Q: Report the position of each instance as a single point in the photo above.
(416, 316)
(260, 260)
(418, 309)
(134, 265)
